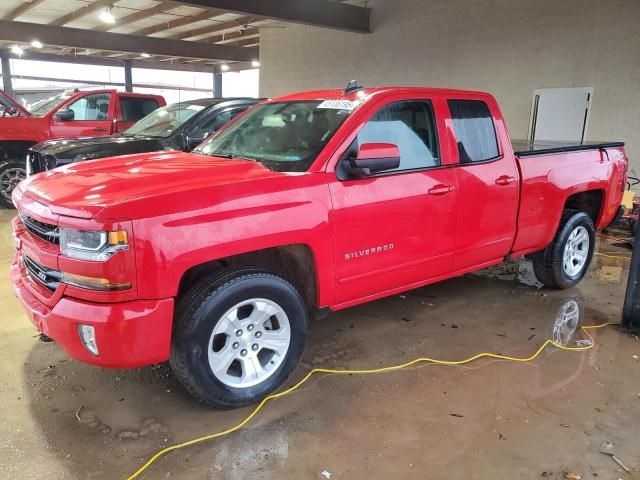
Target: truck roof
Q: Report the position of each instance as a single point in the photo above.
(340, 94)
(205, 102)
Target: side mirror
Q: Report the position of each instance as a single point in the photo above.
(64, 115)
(375, 157)
(193, 142)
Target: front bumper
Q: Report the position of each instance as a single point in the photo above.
(129, 334)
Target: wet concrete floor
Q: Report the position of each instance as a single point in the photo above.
(60, 419)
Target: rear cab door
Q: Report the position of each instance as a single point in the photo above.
(130, 108)
(93, 114)
(488, 180)
(394, 229)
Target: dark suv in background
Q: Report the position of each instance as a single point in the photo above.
(180, 126)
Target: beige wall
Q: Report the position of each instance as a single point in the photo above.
(506, 47)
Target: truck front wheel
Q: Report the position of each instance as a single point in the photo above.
(11, 174)
(563, 263)
(238, 336)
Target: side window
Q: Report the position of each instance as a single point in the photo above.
(411, 126)
(91, 107)
(133, 109)
(474, 129)
(213, 123)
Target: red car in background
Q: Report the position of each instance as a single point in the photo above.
(68, 114)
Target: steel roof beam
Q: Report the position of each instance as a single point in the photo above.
(119, 42)
(320, 13)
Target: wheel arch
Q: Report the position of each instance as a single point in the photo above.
(14, 149)
(587, 201)
(295, 263)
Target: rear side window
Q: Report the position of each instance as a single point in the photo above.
(410, 125)
(475, 131)
(133, 109)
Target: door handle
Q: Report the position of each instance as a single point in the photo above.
(505, 180)
(440, 189)
(99, 129)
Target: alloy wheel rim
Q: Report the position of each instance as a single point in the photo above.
(249, 343)
(9, 179)
(576, 251)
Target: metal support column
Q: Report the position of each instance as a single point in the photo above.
(217, 84)
(631, 308)
(6, 76)
(128, 79)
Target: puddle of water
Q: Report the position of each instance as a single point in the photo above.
(519, 270)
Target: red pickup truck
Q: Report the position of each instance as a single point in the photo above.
(69, 114)
(302, 205)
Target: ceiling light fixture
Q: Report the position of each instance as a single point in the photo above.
(145, 55)
(106, 16)
(224, 67)
(36, 44)
(255, 64)
(15, 49)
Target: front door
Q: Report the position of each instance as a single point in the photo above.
(395, 229)
(92, 117)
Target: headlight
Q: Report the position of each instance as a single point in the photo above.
(91, 244)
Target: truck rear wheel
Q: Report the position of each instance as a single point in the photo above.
(11, 174)
(563, 263)
(238, 336)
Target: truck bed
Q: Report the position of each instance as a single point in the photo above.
(524, 148)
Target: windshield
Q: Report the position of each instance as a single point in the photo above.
(283, 136)
(163, 121)
(41, 107)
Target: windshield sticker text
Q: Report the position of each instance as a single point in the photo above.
(338, 105)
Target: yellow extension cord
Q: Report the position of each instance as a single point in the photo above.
(391, 368)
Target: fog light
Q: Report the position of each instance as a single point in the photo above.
(88, 338)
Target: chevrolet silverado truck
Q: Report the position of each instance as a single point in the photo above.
(180, 126)
(309, 203)
(68, 114)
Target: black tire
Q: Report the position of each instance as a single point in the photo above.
(8, 180)
(201, 309)
(547, 264)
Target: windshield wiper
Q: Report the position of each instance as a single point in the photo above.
(231, 156)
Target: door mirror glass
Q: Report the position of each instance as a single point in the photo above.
(375, 157)
(64, 115)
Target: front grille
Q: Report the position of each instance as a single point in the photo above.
(45, 231)
(49, 278)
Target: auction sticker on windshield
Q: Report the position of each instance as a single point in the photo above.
(339, 104)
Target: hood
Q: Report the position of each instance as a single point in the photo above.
(87, 148)
(164, 182)
(7, 102)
